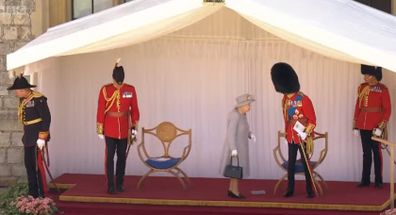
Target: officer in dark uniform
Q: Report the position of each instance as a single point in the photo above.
(34, 114)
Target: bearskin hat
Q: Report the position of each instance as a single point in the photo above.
(284, 78)
(372, 70)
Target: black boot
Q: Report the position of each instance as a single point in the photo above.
(120, 182)
(288, 193)
(110, 189)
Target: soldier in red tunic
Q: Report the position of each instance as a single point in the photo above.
(297, 108)
(117, 117)
(372, 112)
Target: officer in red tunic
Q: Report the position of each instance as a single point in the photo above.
(297, 108)
(35, 116)
(372, 112)
(117, 118)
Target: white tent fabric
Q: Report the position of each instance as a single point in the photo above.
(120, 26)
(191, 77)
(342, 29)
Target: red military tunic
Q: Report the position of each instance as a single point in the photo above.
(114, 108)
(298, 108)
(373, 106)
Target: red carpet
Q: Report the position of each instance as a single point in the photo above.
(166, 194)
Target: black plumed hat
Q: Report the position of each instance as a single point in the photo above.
(20, 82)
(372, 70)
(284, 78)
(118, 72)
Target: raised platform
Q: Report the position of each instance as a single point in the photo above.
(210, 192)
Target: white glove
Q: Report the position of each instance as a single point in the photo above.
(252, 137)
(101, 136)
(40, 143)
(234, 152)
(134, 133)
(377, 132)
(303, 135)
(356, 132)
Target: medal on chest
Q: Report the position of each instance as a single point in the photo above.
(127, 95)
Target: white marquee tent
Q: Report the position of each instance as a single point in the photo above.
(189, 60)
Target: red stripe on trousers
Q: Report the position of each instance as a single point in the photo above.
(41, 168)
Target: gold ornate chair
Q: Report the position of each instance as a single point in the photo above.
(164, 134)
(320, 142)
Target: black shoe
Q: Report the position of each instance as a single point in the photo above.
(233, 195)
(110, 190)
(288, 194)
(379, 185)
(310, 195)
(363, 184)
(120, 188)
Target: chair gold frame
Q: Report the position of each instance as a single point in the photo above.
(166, 132)
(281, 159)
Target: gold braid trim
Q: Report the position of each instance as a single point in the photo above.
(99, 128)
(43, 135)
(21, 107)
(110, 100)
(285, 105)
(310, 127)
(309, 146)
(363, 94)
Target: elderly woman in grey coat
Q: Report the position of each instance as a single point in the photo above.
(237, 138)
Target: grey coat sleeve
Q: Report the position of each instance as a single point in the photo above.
(232, 127)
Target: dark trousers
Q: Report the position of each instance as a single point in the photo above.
(33, 172)
(113, 146)
(292, 165)
(371, 147)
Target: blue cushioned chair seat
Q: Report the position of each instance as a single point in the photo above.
(299, 165)
(162, 162)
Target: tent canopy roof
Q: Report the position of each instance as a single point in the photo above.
(342, 29)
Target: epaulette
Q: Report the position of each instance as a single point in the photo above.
(382, 86)
(300, 93)
(361, 86)
(128, 85)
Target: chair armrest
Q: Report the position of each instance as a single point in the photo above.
(142, 151)
(277, 154)
(322, 156)
(186, 152)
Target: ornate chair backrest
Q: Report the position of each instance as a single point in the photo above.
(167, 132)
(323, 152)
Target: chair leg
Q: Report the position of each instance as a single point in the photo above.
(319, 187)
(184, 175)
(179, 178)
(321, 180)
(143, 178)
(279, 182)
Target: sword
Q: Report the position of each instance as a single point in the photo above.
(308, 165)
(131, 141)
(46, 165)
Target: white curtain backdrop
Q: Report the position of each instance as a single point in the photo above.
(191, 77)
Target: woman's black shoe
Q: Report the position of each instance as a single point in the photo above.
(110, 190)
(233, 195)
(288, 194)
